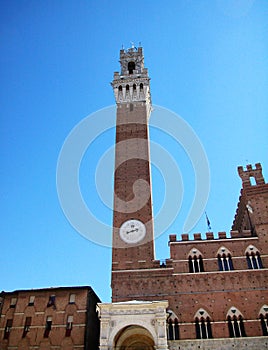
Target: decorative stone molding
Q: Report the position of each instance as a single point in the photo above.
(125, 319)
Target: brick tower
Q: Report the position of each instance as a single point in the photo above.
(133, 244)
(214, 285)
(252, 213)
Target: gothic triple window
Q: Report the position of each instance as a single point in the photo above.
(264, 319)
(253, 258)
(225, 260)
(195, 261)
(235, 323)
(172, 326)
(203, 325)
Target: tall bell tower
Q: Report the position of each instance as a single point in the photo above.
(133, 238)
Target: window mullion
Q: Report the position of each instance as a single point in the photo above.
(222, 263)
(193, 265)
(206, 327)
(251, 261)
(257, 261)
(239, 328)
(232, 321)
(228, 264)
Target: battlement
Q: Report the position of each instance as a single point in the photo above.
(210, 236)
(251, 176)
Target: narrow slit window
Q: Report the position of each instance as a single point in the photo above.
(69, 326)
(252, 180)
(48, 326)
(52, 301)
(8, 328)
(31, 300)
(27, 326)
(72, 299)
(13, 302)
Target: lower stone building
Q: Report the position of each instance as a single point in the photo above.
(51, 318)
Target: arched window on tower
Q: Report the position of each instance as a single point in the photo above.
(141, 86)
(253, 258)
(225, 260)
(195, 261)
(131, 67)
(203, 325)
(120, 92)
(235, 323)
(134, 90)
(264, 319)
(172, 326)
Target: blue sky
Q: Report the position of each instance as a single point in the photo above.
(208, 63)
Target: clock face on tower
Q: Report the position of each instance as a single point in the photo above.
(132, 231)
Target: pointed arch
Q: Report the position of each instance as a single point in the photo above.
(172, 326)
(195, 261)
(203, 325)
(253, 258)
(235, 323)
(225, 262)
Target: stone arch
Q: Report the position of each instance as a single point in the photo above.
(202, 313)
(134, 337)
(138, 323)
(195, 252)
(263, 310)
(233, 311)
(223, 250)
(251, 249)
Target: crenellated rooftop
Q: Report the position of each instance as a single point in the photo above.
(210, 236)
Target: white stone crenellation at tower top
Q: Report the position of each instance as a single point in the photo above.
(132, 84)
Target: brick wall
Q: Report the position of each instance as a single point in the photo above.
(33, 312)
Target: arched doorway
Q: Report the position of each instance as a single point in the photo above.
(134, 338)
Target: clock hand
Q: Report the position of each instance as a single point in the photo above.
(136, 229)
